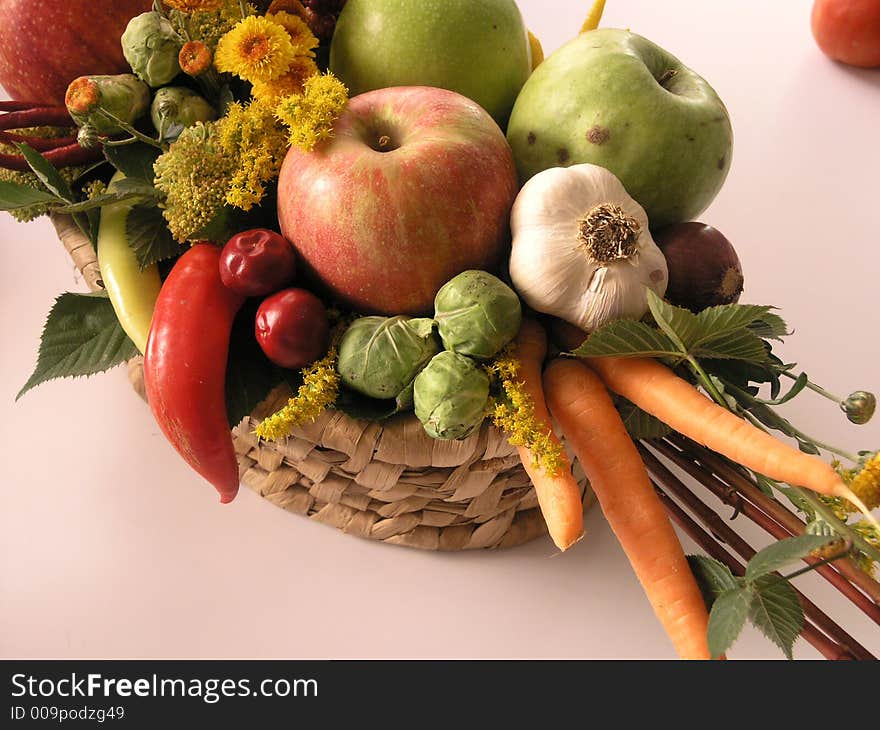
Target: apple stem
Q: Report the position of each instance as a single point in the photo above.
(608, 234)
(384, 141)
(667, 76)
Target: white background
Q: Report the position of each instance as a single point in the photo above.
(111, 547)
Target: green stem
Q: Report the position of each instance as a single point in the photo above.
(815, 388)
(126, 127)
(707, 382)
(243, 6)
(818, 564)
(842, 529)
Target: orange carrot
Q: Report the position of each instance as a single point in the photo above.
(654, 388)
(579, 401)
(559, 496)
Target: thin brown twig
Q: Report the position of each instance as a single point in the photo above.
(725, 533)
(778, 511)
(731, 497)
(825, 646)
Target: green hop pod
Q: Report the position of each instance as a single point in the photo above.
(450, 396)
(175, 108)
(151, 46)
(380, 356)
(477, 314)
(123, 95)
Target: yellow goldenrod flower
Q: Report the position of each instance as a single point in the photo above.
(515, 415)
(319, 390)
(194, 175)
(310, 115)
(303, 40)
(251, 136)
(291, 83)
(255, 50)
(194, 6)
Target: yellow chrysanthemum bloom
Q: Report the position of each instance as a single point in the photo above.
(319, 390)
(255, 50)
(301, 36)
(310, 115)
(515, 415)
(194, 6)
(251, 136)
(291, 83)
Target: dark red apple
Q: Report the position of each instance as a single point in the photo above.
(46, 44)
(414, 187)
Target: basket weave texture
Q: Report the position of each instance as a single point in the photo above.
(387, 480)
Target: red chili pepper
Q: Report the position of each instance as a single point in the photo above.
(185, 365)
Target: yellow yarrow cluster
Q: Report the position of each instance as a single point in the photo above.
(319, 390)
(310, 115)
(210, 26)
(515, 415)
(194, 175)
(250, 135)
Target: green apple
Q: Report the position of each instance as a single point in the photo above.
(613, 98)
(478, 49)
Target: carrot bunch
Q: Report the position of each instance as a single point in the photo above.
(576, 394)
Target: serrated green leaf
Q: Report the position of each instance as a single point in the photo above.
(731, 317)
(627, 338)
(148, 235)
(99, 201)
(133, 186)
(731, 345)
(639, 424)
(680, 325)
(81, 337)
(784, 552)
(46, 172)
(135, 161)
(770, 326)
(776, 611)
(250, 375)
(727, 618)
(14, 196)
(713, 578)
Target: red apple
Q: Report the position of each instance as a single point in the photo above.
(848, 30)
(414, 187)
(292, 328)
(46, 44)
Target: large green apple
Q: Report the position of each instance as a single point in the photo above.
(613, 98)
(478, 49)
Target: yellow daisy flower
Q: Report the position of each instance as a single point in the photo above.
(291, 83)
(194, 6)
(301, 36)
(256, 50)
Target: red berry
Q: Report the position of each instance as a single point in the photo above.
(257, 262)
(291, 327)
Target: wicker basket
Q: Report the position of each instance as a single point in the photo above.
(386, 481)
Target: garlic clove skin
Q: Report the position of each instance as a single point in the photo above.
(553, 268)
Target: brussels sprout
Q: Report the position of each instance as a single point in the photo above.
(123, 95)
(477, 314)
(151, 46)
(175, 107)
(450, 396)
(380, 356)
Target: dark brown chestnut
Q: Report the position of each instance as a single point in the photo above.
(704, 270)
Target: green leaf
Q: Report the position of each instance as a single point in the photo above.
(99, 201)
(135, 161)
(731, 345)
(250, 375)
(679, 324)
(148, 236)
(81, 337)
(14, 196)
(46, 172)
(784, 552)
(713, 578)
(777, 612)
(133, 186)
(727, 618)
(627, 338)
(639, 424)
(770, 326)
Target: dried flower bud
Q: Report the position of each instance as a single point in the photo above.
(859, 406)
(122, 95)
(82, 96)
(88, 136)
(195, 58)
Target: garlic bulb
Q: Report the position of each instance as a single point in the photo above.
(581, 248)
